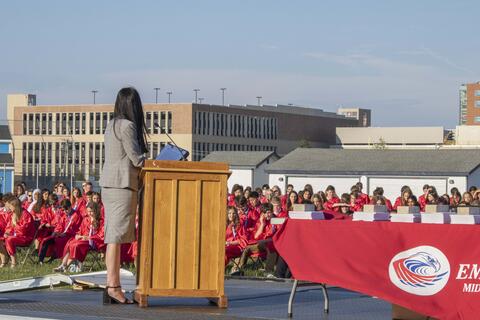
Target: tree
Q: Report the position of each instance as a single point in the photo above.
(380, 145)
(304, 143)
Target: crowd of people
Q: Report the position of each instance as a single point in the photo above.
(64, 225)
(249, 227)
(59, 224)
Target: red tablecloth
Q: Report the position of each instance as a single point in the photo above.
(428, 268)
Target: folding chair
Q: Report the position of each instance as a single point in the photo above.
(27, 251)
(96, 259)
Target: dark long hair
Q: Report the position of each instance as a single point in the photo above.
(129, 106)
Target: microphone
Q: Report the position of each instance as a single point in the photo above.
(184, 156)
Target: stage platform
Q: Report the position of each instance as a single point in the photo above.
(248, 299)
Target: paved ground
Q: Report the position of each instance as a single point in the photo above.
(247, 300)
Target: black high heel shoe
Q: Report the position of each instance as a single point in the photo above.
(108, 299)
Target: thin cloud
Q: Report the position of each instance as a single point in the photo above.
(424, 51)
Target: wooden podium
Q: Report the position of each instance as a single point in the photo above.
(182, 231)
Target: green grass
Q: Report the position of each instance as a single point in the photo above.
(31, 269)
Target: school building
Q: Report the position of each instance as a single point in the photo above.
(469, 104)
(65, 141)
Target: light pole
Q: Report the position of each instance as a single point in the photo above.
(196, 94)
(156, 94)
(169, 94)
(258, 100)
(200, 100)
(223, 95)
(94, 95)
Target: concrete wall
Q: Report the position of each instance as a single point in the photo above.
(467, 135)
(260, 177)
(474, 179)
(243, 177)
(393, 135)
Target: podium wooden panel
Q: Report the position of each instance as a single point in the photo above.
(182, 231)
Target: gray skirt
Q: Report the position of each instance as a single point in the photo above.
(120, 208)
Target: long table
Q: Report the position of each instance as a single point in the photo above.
(433, 269)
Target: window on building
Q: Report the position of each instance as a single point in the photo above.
(70, 124)
(97, 152)
(97, 122)
(163, 122)
(154, 148)
(30, 123)
(103, 153)
(105, 121)
(77, 123)
(477, 93)
(148, 121)
(24, 153)
(49, 123)
(169, 122)
(477, 104)
(25, 128)
(44, 123)
(91, 153)
(92, 116)
(64, 123)
(155, 123)
(57, 123)
(57, 152)
(84, 120)
(37, 124)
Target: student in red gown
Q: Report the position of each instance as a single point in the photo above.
(242, 210)
(87, 187)
(292, 199)
(45, 193)
(344, 211)
(26, 204)
(356, 201)
(432, 197)
(253, 211)
(378, 192)
(5, 214)
(422, 200)
(19, 232)
(235, 240)
(278, 211)
(467, 199)
(455, 199)
(317, 202)
(237, 190)
(284, 198)
(97, 198)
(90, 236)
(45, 221)
(260, 240)
(78, 202)
(67, 222)
(406, 193)
(363, 196)
(331, 200)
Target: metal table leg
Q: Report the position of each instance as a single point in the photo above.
(294, 291)
(325, 299)
(292, 296)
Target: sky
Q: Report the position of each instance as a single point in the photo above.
(404, 60)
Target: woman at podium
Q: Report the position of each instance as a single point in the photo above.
(125, 148)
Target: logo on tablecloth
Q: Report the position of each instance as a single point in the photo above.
(422, 271)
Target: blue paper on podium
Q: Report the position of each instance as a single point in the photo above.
(171, 152)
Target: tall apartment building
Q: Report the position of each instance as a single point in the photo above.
(363, 116)
(469, 104)
(67, 140)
